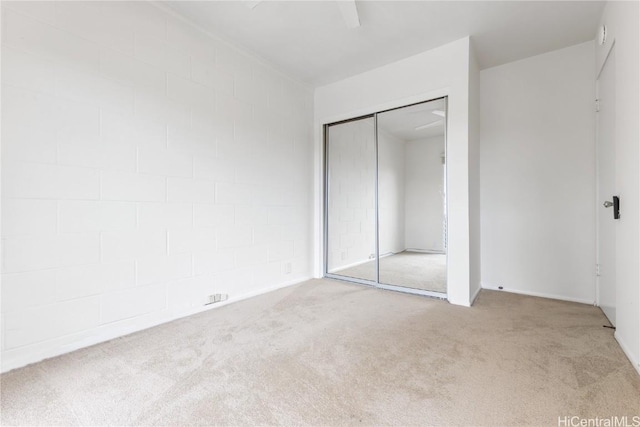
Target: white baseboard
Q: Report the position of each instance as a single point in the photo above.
(461, 303)
(344, 267)
(635, 363)
(23, 356)
(465, 302)
(489, 286)
(426, 251)
(475, 295)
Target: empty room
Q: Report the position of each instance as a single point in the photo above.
(263, 212)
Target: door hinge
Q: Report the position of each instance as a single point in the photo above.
(597, 105)
(598, 270)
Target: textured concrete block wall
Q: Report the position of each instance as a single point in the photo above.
(145, 165)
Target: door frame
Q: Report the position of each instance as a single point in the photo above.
(599, 211)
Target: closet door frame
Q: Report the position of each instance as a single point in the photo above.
(325, 169)
(325, 264)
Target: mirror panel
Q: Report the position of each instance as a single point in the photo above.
(411, 196)
(351, 178)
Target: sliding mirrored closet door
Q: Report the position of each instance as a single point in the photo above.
(351, 196)
(411, 196)
(385, 205)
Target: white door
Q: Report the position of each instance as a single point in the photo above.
(606, 189)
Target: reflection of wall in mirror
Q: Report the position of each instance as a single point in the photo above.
(351, 203)
(424, 194)
(391, 193)
(410, 192)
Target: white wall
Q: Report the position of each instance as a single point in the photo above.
(391, 193)
(429, 75)
(145, 166)
(475, 226)
(424, 198)
(621, 19)
(538, 175)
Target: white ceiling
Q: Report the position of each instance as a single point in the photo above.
(309, 41)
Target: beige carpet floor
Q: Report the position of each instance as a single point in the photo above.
(332, 353)
(408, 269)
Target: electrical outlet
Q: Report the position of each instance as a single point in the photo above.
(287, 268)
(212, 299)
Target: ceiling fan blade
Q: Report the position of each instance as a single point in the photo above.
(428, 110)
(429, 125)
(349, 13)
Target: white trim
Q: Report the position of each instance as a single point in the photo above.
(343, 267)
(426, 251)
(627, 352)
(384, 106)
(461, 303)
(33, 353)
(474, 297)
(538, 294)
(597, 142)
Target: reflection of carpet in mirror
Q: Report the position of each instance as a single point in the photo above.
(409, 269)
